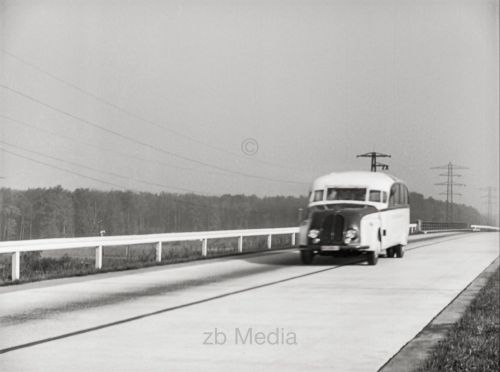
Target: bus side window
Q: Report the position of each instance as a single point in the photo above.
(384, 197)
(394, 196)
(406, 196)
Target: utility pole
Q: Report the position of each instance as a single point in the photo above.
(490, 201)
(450, 183)
(374, 164)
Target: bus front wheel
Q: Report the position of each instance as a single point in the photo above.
(306, 257)
(372, 258)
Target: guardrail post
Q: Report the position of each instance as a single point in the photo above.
(98, 257)
(16, 265)
(269, 241)
(204, 247)
(158, 252)
(293, 239)
(240, 244)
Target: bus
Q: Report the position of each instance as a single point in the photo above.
(364, 213)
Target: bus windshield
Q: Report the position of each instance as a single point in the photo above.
(336, 193)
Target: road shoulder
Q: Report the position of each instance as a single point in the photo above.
(416, 351)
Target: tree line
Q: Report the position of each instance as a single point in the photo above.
(55, 212)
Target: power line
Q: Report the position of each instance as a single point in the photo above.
(101, 180)
(121, 153)
(191, 203)
(144, 144)
(374, 164)
(113, 174)
(61, 169)
(134, 115)
(450, 184)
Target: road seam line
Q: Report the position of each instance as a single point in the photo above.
(157, 312)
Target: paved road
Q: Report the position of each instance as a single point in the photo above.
(256, 312)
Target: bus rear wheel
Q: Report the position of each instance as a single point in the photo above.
(400, 251)
(390, 252)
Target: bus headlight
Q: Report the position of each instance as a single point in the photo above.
(350, 235)
(313, 234)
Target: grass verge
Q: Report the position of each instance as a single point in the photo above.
(473, 343)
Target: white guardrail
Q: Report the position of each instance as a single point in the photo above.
(15, 247)
(484, 228)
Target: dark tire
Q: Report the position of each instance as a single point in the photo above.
(390, 252)
(400, 251)
(306, 257)
(372, 258)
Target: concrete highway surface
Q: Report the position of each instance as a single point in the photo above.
(255, 312)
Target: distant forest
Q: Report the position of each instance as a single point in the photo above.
(55, 212)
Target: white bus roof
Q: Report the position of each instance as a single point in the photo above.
(371, 180)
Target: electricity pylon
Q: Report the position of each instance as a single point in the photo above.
(374, 164)
(450, 184)
(490, 201)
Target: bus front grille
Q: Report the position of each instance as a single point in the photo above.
(332, 229)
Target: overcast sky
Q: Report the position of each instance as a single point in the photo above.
(160, 95)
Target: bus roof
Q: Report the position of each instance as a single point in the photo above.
(371, 180)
